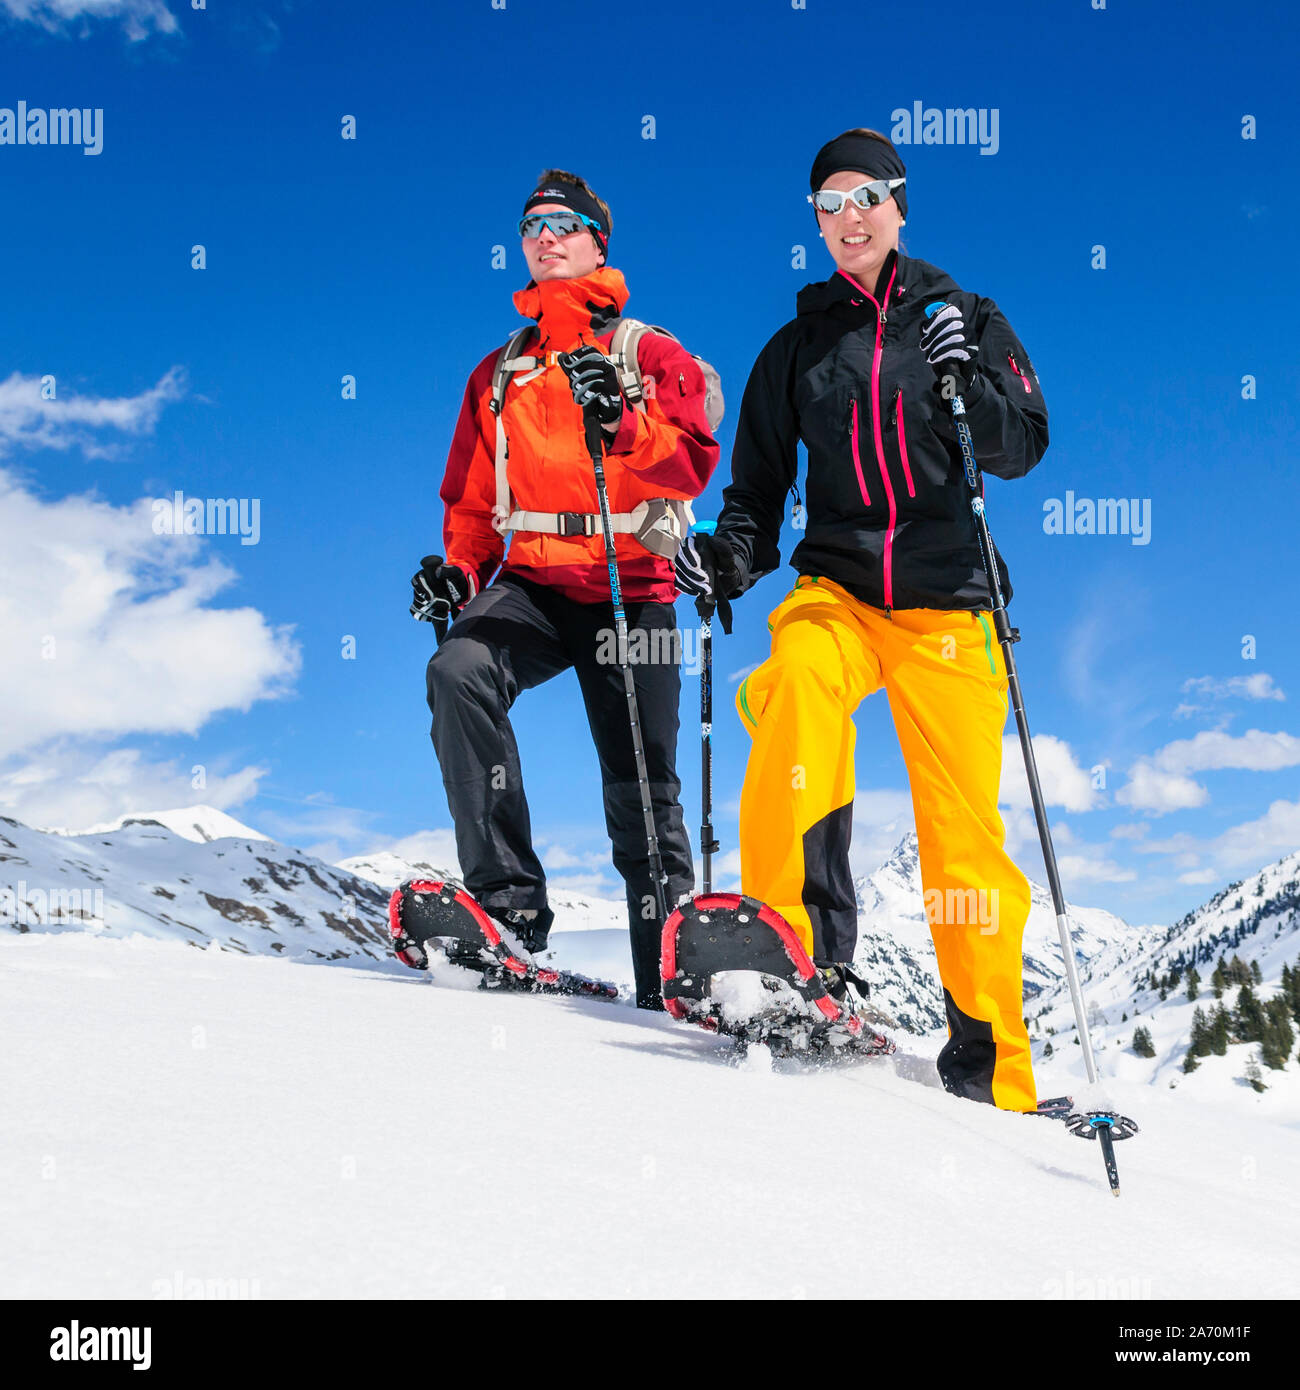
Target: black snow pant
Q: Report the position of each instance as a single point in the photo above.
(513, 636)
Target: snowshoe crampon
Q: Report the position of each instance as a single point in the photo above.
(422, 912)
(735, 966)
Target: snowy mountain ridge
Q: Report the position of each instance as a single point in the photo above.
(202, 824)
(1144, 982)
(246, 894)
(896, 951)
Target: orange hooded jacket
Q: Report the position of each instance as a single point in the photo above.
(666, 450)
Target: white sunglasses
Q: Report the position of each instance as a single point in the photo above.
(865, 196)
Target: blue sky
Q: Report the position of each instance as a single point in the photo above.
(1119, 127)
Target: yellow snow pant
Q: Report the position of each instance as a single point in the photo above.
(945, 678)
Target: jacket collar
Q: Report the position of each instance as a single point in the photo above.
(912, 277)
(841, 292)
(573, 311)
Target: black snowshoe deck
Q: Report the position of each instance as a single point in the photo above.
(729, 932)
(423, 911)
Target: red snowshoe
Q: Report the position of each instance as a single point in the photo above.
(773, 995)
(421, 911)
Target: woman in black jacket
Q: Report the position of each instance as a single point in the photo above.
(891, 593)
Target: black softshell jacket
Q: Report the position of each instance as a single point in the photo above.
(888, 506)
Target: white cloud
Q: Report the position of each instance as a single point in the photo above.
(106, 629)
(139, 18)
(1132, 830)
(556, 857)
(66, 787)
(1197, 877)
(1092, 868)
(1160, 782)
(1256, 687)
(1150, 789)
(69, 422)
(1248, 846)
(437, 847)
(1253, 751)
(1063, 781)
(1256, 842)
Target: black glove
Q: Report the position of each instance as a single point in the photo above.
(944, 343)
(706, 567)
(441, 591)
(594, 383)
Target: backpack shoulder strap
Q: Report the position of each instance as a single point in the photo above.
(508, 363)
(622, 352)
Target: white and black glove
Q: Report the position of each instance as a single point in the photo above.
(706, 567)
(948, 350)
(441, 591)
(594, 384)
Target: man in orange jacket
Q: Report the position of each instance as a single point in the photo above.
(519, 468)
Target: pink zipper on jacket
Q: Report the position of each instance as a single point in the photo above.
(857, 457)
(902, 441)
(880, 443)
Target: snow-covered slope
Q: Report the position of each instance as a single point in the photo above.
(349, 1132)
(896, 952)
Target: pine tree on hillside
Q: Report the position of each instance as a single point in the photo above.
(1190, 1063)
(1217, 981)
(1249, 1021)
(1256, 973)
(1279, 1038)
(1220, 1031)
(1142, 1043)
(1199, 1043)
(1193, 983)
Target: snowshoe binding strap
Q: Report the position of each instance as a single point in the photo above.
(731, 931)
(424, 909)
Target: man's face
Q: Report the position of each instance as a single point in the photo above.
(560, 258)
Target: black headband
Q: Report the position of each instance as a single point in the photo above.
(579, 201)
(876, 158)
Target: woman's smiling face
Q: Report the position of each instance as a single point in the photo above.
(859, 241)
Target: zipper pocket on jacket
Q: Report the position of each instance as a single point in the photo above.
(1015, 367)
(857, 457)
(902, 441)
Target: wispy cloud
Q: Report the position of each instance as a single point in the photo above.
(28, 420)
(1247, 846)
(72, 18)
(1216, 689)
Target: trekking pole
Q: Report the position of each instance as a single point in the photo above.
(1102, 1125)
(596, 448)
(708, 842)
